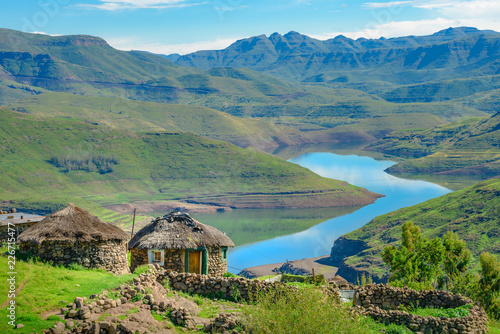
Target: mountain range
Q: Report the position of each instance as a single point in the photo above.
(448, 65)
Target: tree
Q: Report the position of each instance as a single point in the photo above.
(457, 258)
(488, 286)
(417, 262)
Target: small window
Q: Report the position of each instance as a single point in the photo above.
(156, 256)
(224, 254)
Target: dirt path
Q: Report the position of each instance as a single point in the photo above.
(17, 292)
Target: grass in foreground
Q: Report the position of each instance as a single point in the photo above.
(307, 311)
(45, 287)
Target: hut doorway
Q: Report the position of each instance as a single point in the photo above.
(195, 262)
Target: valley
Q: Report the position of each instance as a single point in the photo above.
(210, 131)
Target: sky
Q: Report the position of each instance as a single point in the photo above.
(184, 26)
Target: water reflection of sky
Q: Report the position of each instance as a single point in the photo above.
(318, 240)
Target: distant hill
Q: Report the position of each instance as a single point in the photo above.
(299, 57)
(31, 64)
(140, 116)
(50, 161)
(473, 213)
(469, 147)
(448, 65)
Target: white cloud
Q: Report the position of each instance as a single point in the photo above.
(113, 5)
(129, 44)
(374, 5)
(448, 8)
(482, 14)
(406, 28)
(468, 9)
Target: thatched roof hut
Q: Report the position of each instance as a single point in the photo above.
(74, 235)
(175, 235)
(178, 231)
(73, 224)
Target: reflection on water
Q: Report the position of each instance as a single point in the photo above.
(246, 226)
(318, 240)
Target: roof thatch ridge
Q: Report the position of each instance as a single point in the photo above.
(72, 224)
(178, 231)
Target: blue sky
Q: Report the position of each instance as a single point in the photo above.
(183, 26)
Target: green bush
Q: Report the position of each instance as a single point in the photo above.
(76, 266)
(228, 274)
(306, 311)
(137, 297)
(141, 269)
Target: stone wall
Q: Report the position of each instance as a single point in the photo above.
(174, 260)
(109, 255)
(138, 257)
(215, 265)
(224, 287)
(19, 228)
(381, 302)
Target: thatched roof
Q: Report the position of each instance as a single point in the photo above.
(72, 224)
(178, 231)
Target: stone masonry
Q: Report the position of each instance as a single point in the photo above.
(215, 265)
(174, 260)
(382, 303)
(109, 255)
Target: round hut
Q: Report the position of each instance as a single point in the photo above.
(178, 242)
(74, 235)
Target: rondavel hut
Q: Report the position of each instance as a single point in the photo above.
(178, 242)
(74, 235)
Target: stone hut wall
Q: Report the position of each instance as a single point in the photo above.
(215, 265)
(381, 302)
(174, 260)
(110, 255)
(18, 228)
(138, 257)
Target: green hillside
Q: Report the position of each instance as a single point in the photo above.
(469, 147)
(139, 116)
(473, 213)
(32, 64)
(54, 161)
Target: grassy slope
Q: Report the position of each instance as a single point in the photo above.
(466, 147)
(155, 166)
(44, 287)
(87, 65)
(139, 116)
(473, 213)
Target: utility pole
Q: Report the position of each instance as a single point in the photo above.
(133, 224)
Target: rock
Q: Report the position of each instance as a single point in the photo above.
(79, 302)
(72, 313)
(19, 326)
(180, 286)
(70, 323)
(58, 328)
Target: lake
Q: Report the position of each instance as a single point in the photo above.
(317, 240)
(264, 236)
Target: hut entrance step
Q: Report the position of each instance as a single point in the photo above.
(194, 262)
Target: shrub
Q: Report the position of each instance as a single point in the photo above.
(305, 311)
(141, 269)
(76, 266)
(228, 274)
(137, 297)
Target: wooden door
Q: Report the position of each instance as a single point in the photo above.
(195, 262)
